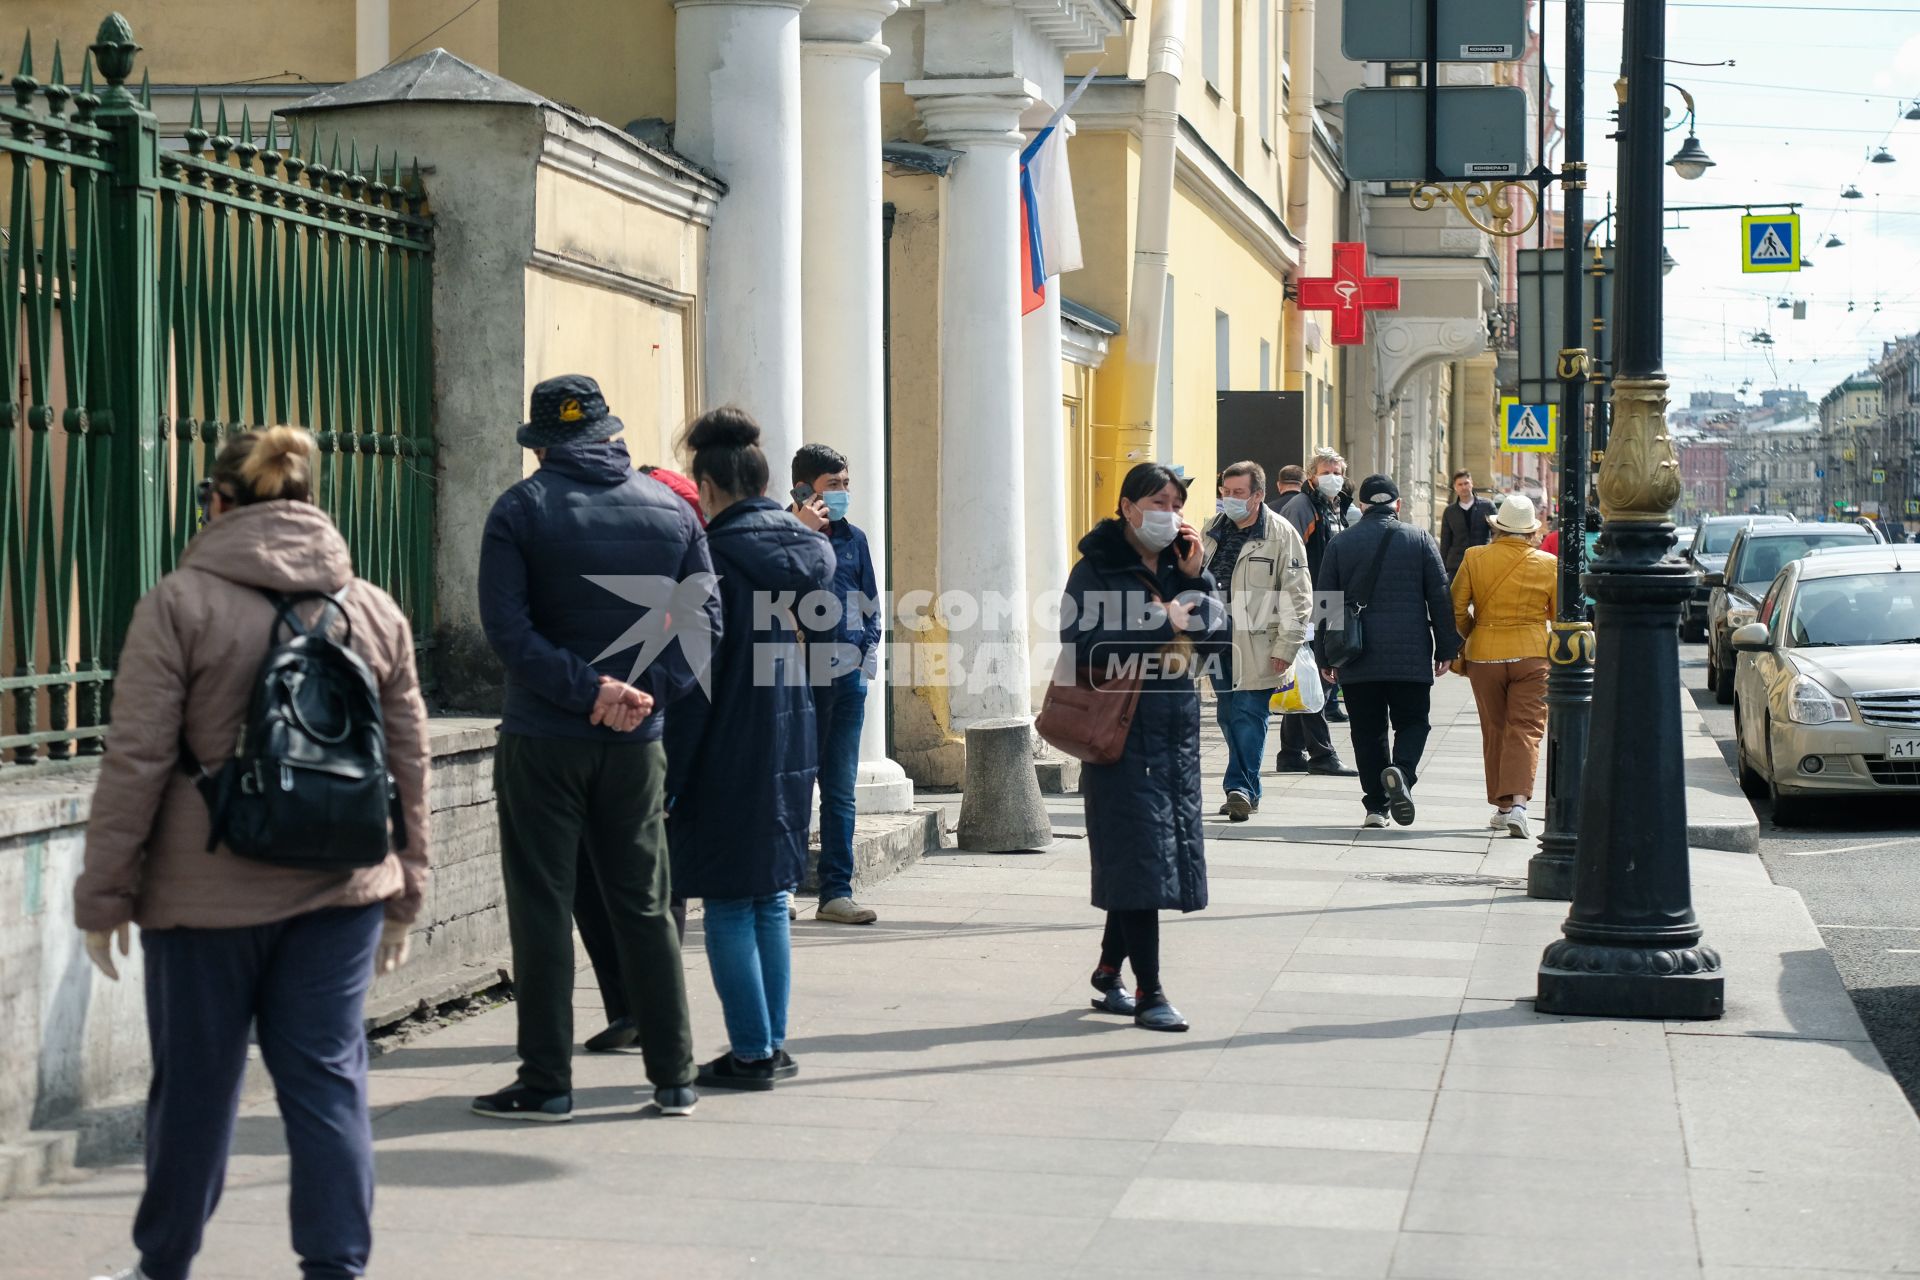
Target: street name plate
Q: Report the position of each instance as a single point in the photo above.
(1482, 133)
(1466, 30)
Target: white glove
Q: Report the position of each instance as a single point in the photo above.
(99, 943)
(395, 944)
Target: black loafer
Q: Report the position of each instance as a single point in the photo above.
(1159, 1016)
(620, 1034)
(1290, 764)
(1399, 796)
(1331, 767)
(1116, 1001)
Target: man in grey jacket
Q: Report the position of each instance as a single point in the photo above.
(1260, 565)
(1409, 642)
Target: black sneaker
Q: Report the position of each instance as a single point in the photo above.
(522, 1103)
(784, 1067)
(676, 1100)
(1239, 806)
(729, 1072)
(620, 1034)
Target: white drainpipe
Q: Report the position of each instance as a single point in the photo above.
(1159, 131)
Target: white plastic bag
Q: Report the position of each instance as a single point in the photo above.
(1300, 691)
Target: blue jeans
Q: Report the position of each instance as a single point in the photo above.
(1243, 722)
(749, 952)
(300, 985)
(839, 712)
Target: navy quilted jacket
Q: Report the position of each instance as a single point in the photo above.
(1409, 617)
(741, 757)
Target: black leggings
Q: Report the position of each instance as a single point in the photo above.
(1134, 936)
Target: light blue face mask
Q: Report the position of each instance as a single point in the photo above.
(1234, 509)
(837, 501)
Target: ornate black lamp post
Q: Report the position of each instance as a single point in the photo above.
(1570, 681)
(1632, 945)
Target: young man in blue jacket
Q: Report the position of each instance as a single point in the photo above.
(842, 656)
(596, 593)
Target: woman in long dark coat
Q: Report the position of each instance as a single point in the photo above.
(740, 754)
(1144, 810)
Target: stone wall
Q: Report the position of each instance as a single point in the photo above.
(73, 1046)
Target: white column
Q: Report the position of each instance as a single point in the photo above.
(737, 78)
(843, 388)
(1046, 474)
(983, 553)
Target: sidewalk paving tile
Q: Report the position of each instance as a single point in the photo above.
(1367, 1092)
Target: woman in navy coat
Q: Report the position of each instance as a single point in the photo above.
(740, 753)
(1144, 811)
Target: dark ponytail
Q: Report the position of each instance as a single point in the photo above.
(724, 447)
(1148, 479)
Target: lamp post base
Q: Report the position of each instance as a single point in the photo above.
(1631, 982)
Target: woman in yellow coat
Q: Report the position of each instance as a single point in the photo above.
(1504, 597)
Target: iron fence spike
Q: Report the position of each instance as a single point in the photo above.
(146, 88)
(58, 77)
(26, 58)
(195, 120)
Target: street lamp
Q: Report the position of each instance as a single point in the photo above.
(1834, 242)
(1883, 156)
(1667, 262)
(1692, 161)
(1631, 945)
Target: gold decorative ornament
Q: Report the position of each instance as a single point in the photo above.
(1466, 197)
(1573, 363)
(1640, 480)
(1572, 643)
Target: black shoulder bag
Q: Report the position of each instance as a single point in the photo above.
(1344, 645)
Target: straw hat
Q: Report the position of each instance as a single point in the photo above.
(1516, 515)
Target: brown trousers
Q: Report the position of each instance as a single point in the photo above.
(1512, 697)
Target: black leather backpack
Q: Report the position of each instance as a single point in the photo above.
(307, 785)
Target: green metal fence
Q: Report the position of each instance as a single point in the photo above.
(155, 303)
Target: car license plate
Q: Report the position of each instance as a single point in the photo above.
(1903, 749)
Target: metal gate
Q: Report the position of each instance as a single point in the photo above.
(155, 303)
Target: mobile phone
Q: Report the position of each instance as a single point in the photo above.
(802, 494)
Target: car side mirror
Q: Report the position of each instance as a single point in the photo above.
(1752, 638)
(1715, 580)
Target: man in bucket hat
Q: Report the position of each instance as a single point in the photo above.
(565, 554)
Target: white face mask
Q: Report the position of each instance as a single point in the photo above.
(1235, 509)
(1157, 529)
(1329, 486)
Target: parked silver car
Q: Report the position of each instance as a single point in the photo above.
(1827, 679)
(1712, 539)
(1755, 559)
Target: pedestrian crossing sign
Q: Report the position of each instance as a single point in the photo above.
(1528, 428)
(1770, 242)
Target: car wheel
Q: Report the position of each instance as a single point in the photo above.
(1721, 682)
(1751, 782)
(1788, 811)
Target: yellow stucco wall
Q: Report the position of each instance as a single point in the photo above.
(617, 65)
(641, 349)
(194, 41)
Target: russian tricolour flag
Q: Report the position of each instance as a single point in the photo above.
(1049, 229)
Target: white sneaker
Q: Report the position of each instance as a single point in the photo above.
(1374, 820)
(1498, 822)
(131, 1273)
(1517, 822)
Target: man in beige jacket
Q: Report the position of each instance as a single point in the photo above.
(1261, 565)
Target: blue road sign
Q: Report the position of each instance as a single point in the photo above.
(1770, 242)
(1528, 428)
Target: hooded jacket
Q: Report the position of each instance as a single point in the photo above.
(741, 757)
(568, 556)
(188, 668)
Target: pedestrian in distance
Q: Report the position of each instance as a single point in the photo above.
(743, 751)
(1504, 598)
(238, 944)
(1141, 593)
(1260, 565)
(580, 757)
(1467, 523)
(1286, 482)
(1319, 513)
(589, 912)
(1393, 569)
(841, 658)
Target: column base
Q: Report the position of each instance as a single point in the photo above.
(1597, 981)
(1550, 871)
(882, 786)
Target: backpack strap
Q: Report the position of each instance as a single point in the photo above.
(1364, 598)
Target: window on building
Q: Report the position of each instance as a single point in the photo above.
(1222, 352)
(1266, 365)
(1163, 394)
(1210, 42)
(1266, 70)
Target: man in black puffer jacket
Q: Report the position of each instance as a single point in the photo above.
(579, 563)
(1410, 640)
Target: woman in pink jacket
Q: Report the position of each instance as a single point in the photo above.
(233, 945)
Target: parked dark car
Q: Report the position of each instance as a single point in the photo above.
(1756, 558)
(1712, 539)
